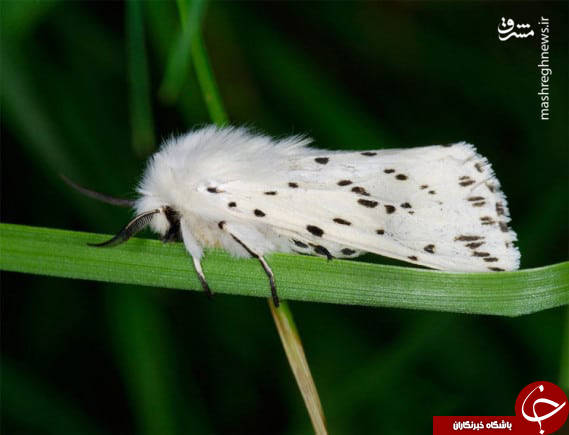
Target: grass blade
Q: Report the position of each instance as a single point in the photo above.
(179, 61)
(297, 359)
(149, 262)
(140, 106)
(207, 81)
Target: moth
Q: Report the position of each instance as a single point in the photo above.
(438, 206)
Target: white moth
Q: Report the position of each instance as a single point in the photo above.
(251, 195)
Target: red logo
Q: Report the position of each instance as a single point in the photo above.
(542, 408)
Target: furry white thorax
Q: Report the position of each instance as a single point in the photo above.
(436, 206)
(179, 175)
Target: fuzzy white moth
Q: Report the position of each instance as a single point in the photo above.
(251, 195)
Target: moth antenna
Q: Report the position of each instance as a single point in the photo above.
(96, 195)
(134, 226)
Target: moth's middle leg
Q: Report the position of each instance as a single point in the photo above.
(266, 268)
(261, 259)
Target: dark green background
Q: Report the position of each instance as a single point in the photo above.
(86, 357)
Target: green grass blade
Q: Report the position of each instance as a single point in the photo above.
(178, 63)
(148, 262)
(140, 106)
(295, 353)
(207, 81)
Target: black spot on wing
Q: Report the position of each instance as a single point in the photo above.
(221, 224)
(367, 203)
(313, 229)
(389, 171)
(389, 209)
(232, 204)
(322, 160)
(348, 251)
(259, 213)
(360, 191)
(342, 221)
(474, 245)
(430, 248)
(480, 254)
(293, 185)
(424, 186)
(478, 201)
(271, 192)
(496, 269)
(380, 232)
(406, 205)
(412, 258)
(463, 238)
(344, 182)
(490, 259)
(369, 154)
(465, 180)
(500, 211)
(299, 244)
(323, 251)
(213, 190)
(401, 177)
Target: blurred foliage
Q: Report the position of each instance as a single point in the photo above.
(120, 359)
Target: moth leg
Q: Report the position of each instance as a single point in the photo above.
(195, 251)
(201, 276)
(271, 276)
(266, 268)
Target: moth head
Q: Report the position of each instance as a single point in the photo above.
(165, 222)
(170, 229)
(163, 219)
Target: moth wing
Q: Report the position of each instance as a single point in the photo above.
(437, 206)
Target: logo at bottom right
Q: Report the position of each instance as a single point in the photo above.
(542, 408)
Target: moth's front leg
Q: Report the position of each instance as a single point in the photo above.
(201, 276)
(252, 241)
(196, 252)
